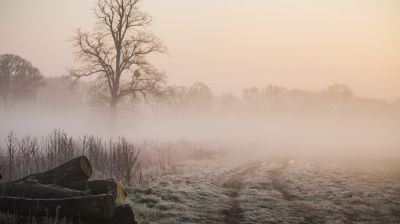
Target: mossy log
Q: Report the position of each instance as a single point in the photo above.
(91, 207)
(78, 169)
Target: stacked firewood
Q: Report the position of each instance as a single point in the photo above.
(66, 191)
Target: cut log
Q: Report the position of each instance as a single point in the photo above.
(101, 187)
(123, 215)
(39, 191)
(92, 207)
(14, 219)
(78, 169)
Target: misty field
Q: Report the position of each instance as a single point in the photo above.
(209, 112)
(188, 182)
(274, 190)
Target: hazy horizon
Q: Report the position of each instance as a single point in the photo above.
(230, 45)
(260, 111)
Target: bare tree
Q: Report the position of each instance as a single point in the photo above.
(115, 53)
(11, 149)
(19, 80)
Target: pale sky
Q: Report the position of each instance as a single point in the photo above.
(232, 44)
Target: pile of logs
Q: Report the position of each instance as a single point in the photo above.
(66, 191)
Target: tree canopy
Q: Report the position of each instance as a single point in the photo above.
(19, 79)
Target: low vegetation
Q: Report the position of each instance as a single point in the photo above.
(132, 164)
(273, 191)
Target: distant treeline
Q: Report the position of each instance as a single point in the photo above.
(64, 92)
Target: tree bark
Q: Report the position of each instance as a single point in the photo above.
(77, 169)
(93, 207)
(101, 187)
(39, 191)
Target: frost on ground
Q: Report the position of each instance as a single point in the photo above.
(274, 191)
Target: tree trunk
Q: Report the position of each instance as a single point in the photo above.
(113, 115)
(101, 187)
(77, 169)
(39, 191)
(93, 207)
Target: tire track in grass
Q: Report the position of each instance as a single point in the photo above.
(274, 170)
(231, 188)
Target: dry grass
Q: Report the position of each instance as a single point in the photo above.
(306, 191)
(132, 164)
(118, 158)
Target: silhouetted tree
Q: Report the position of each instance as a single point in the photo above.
(175, 97)
(251, 98)
(200, 95)
(340, 91)
(115, 53)
(19, 79)
(251, 94)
